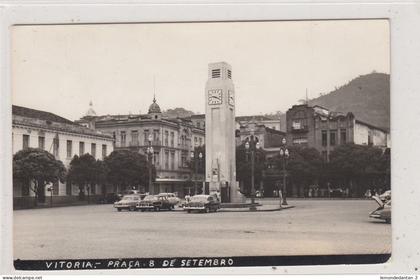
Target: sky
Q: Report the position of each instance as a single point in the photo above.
(61, 68)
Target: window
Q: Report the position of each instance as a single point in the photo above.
(172, 160)
(69, 148)
(156, 158)
(215, 73)
(123, 138)
(25, 141)
(200, 140)
(134, 138)
(229, 74)
(156, 135)
(56, 146)
(324, 138)
(103, 151)
(343, 136)
(370, 142)
(332, 138)
(296, 125)
(166, 159)
(166, 138)
(68, 188)
(146, 137)
(93, 149)
(184, 159)
(195, 141)
(81, 148)
(172, 139)
(41, 142)
(114, 135)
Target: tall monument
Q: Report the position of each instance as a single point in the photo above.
(220, 133)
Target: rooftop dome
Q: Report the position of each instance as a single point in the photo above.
(90, 112)
(154, 107)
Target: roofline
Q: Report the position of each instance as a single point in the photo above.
(371, 126)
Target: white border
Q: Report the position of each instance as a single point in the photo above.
(405, 113)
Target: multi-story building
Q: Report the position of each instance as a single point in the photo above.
(173, 139)
(62, 138)
(324, 130)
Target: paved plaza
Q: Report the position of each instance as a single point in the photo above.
(98, 231)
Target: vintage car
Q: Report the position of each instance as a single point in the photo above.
(203, 203)
(128, 202)
(385, 196)
(155, 203)
(383, 212)
(173, 199)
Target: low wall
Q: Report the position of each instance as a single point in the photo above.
(29, 202)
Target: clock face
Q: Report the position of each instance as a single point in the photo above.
(231, 98)
(215, 96)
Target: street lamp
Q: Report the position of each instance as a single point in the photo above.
(284, 155)
(251, 147)
(196, 156)
(149, 159)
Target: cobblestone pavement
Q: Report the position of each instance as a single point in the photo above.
(99, 231)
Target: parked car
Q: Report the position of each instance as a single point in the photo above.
(385, 196)
(128, 202)
(109, 198)
(171, 197)
(203, 203)
(383, 212)
(155, 203)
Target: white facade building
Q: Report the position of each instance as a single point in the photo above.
(62, 138)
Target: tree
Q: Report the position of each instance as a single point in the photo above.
(127, 168)
(303, 166)
(85, 171)
(201, 164)
(38, 167)
(243, 168)
(360, 165)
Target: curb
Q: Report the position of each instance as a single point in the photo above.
(261, 210)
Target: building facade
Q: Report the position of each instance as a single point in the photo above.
(173, 140)
(62, 138)
(324, 130)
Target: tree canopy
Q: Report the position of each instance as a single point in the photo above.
(243, 168)
(127, 168)
(39, 166)
(85, 170)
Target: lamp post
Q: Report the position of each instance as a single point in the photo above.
(284, 155)
(149, 159)
(196, 156)
(251, 147)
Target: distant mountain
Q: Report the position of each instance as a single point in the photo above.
(177, 113)
(367, 97)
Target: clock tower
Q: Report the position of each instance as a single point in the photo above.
(220, 133)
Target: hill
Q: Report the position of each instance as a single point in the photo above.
(367, 96)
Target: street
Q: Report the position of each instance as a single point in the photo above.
(313, 227)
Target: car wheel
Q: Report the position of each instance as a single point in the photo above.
(157, 208)
(131, 208)
(388, 221)
(189, 211)
(206, 210)
(119, 209)
(142, 210)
